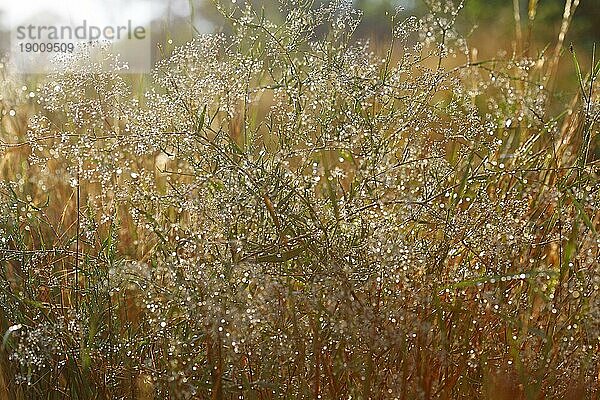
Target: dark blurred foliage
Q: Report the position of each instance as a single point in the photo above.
(494, 16)
(484, 20)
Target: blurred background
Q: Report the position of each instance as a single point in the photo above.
(179, 20)
(488, 24)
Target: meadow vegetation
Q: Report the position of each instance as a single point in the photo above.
(287, 212)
